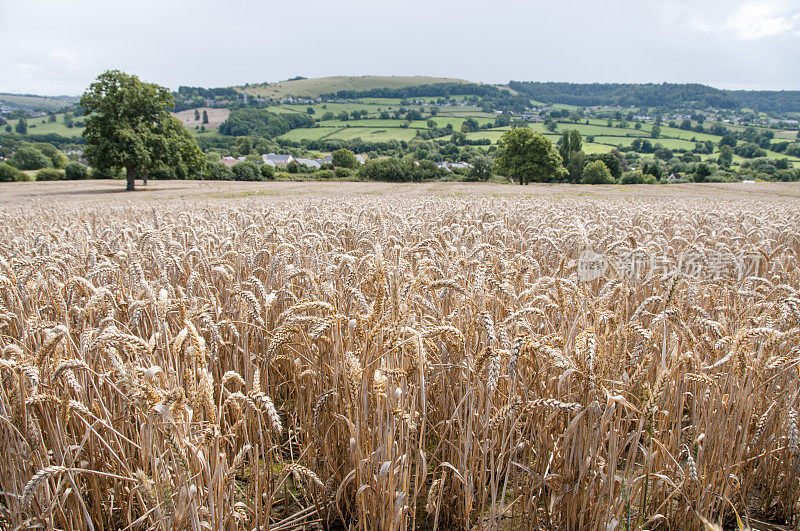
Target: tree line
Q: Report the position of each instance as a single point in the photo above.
(666, 95)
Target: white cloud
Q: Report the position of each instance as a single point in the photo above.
(222, 42)
(754, 20)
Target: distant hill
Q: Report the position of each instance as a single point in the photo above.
(32, 102)
(671, 95)
(312, 88)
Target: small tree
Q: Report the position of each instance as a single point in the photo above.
(205, 116)
(196, 115)
(481, 168)
(702, 173)
(267, 172)
(22, 126)
(725, 157)
(656, 131)
(344, 158)
(597, 173)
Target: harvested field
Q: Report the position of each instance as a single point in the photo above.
(215, 117)
(366, 356)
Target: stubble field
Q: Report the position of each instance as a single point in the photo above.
(353, 355)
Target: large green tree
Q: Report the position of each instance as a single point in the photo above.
(129, 126)
(528, 157)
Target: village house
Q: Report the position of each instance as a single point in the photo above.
(276, 160)
(311, 163)
(230, 161)
(328, 159)
(450, 166)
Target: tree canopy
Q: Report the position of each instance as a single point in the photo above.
(344, 158)
(597, 173)
(129, 126)
(528, 157)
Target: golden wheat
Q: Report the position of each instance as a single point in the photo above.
(398, 363)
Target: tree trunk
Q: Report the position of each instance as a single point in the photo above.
(130, 175)
(144, 177)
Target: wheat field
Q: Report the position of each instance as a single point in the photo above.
(398, 362)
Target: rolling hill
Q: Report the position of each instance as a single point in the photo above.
(311, 88)
(36, 103)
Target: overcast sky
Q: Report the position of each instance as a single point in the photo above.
(58, 47)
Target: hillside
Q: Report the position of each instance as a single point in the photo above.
(311, 88)
(671, 95)
(35, 103)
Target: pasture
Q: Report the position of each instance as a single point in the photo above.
(42, 125)
(361, 355)
(215, 117)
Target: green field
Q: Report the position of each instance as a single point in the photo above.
(42, 126)
(373, 134)
(392, 123)
(605, 134)
(310, 133)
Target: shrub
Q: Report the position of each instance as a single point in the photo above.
(343, 173)
(787, 175)
(246, 171)
(217, 171)
(182, 172)
(383, 170)
(109, 173)
(50, 174)
(9, 173)
(75, 171)
(162, 174)
(293, 167)
(325, 174)
(267, 172)
(29, 158)
(597, 173)
(632, 177)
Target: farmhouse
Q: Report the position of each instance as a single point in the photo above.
(450, 166)
(276, 160)
(311, 163)
(230, 161)
(328, 159)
